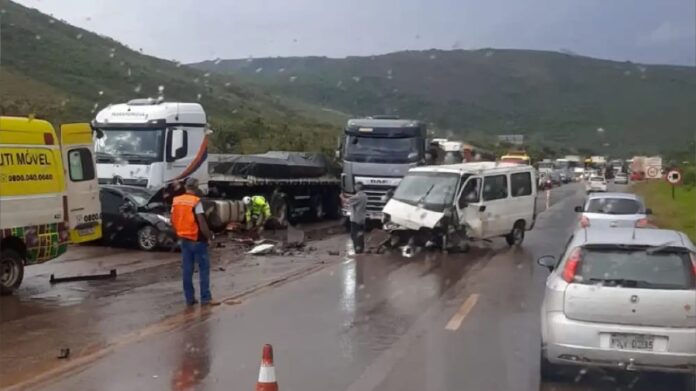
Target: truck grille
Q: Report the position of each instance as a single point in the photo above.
(375, 197)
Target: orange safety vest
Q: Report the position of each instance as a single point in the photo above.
(184, 217)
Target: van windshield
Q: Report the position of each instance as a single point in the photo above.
(430, 190)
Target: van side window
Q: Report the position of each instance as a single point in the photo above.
(80, 165)
(495, 187)
(521, 184)
(470, 193)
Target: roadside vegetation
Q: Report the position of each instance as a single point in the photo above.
(678, 214)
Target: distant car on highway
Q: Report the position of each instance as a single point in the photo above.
(621, 298)
(135, 215)
(637, 176)
(613, 210)
(596, 183)
(556, 177)
(621, 178)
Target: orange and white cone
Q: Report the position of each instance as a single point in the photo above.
(267, 378)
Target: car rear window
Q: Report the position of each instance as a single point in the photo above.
(614, 206)
(636, 268)
(597, 179)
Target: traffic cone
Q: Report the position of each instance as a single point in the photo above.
(267, 378)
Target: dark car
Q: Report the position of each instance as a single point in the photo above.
(135, 216)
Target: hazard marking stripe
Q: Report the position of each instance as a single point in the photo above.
(267, 375)
(462, 313)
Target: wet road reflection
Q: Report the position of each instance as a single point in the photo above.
(194, 361)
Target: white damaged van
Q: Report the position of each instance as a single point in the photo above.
(447, 206)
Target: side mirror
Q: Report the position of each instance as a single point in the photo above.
(578, 209)
(648, 211)
(547, 261)
(177, 144)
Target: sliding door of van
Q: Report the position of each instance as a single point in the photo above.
(82, 187)
(495, 213)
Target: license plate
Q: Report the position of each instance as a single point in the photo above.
(85, 231)
(632, 342)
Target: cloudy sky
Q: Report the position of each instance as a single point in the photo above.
(650, 31)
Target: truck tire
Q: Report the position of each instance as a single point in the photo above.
(11, 270)
(279, 213)
(318, 210)
(332, 205)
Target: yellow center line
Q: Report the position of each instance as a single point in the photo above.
(456, 321)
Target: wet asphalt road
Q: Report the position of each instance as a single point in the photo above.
(373, 322)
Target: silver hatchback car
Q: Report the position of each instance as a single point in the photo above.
(621, 298)
(613, 210)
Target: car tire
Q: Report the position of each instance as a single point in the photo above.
(11, 271)
(516, 236)
(548, 371)
(147, 238)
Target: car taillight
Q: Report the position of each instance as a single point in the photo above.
(584, 222)
(642, 223)
(571, 266)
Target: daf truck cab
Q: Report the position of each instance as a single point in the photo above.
(377, 152)
(151, 143)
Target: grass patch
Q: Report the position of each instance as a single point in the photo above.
(678, 214)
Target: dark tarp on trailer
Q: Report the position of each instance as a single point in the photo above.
(272, 164)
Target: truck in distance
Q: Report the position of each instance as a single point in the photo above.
(377, 152)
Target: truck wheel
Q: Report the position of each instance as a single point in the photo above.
(11, 271)
(516, 236)
(280, 213)
(148, 238)
(318, 212)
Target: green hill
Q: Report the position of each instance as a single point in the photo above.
(62, 73)
(552, 98)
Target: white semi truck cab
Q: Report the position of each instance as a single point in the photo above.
(151, 143)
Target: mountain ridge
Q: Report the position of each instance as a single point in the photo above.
(550, 97)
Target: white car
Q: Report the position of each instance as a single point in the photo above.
(614, 210)
(621, 178)
(596, 183)
(622, 299)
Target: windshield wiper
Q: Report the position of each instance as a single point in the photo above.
(427, 193)
(622, 281)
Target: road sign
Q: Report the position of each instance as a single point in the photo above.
(653, 172)
(674, 177)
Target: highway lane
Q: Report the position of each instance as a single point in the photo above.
(375, 322)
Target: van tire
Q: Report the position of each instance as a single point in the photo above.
(516, 236)
(11, 270)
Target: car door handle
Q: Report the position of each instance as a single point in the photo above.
(482, 208)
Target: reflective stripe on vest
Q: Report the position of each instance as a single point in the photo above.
(184, 216)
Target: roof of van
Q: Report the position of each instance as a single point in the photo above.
(473, 167)
(384, 123)
(144, 111)
(25, 124)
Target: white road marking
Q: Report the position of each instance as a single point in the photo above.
(462, 312)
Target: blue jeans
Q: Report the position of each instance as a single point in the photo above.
(191, 252)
